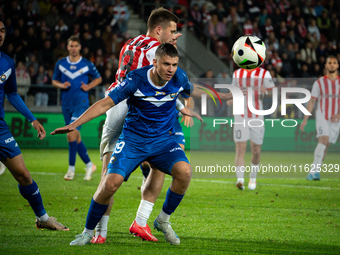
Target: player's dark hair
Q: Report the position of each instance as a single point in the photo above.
(166, 49)
(161, 17)
(331, 56)
(73, 38)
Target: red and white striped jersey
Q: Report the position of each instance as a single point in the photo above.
(256, 79)
(327, 92)
(136, 53)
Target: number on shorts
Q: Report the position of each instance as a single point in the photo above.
(238, 134)
(119, 147)
(320, 130)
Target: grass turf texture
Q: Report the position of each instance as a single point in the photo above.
(282, 216)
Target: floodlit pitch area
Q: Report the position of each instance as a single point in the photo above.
(282, 216)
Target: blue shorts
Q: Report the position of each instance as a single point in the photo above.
(8, 146)
(71, 114)
(179, 132)
(131, 150)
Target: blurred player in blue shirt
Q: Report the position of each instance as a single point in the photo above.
(71, 75)
(10, 154)
(148, 135)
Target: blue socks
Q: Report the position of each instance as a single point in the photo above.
(171, 202)
(145, 170)
(32, 194)
(83, 152)
(95, 213)
(72, 153)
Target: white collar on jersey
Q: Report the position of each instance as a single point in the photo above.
(150, 81)
(73, 63)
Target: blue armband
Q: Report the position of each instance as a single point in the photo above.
(19, 104)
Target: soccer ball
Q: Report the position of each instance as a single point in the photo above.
(249, 52)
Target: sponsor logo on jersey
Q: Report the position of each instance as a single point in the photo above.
(8, 140)
(176, 149)
(3, 77)
(73, 67)
(160, 93)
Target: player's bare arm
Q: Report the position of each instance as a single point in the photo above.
(94, 111)
(191, 113)
(188, 122)
(40, 129)
(61, 85)
(94, 83)
(310, 107)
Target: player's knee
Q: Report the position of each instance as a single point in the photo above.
(23, 177)
(241, 149)
(182, 171)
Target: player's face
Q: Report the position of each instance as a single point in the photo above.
(332, 65)
(169, 33)
(73, 48)
(2, 33)
(166, 67)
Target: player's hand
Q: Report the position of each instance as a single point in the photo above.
(174, 42)
(188, 112)
(230, 102)
(40, 129)
(302, 125)
(335, 118)
(263, 90)
(188, 121)
(84, 87)
(63, 130)
(66, 85)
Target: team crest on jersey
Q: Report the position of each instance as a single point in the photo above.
(173, 95)
(73, 67)
(3, 77)
(158, 93)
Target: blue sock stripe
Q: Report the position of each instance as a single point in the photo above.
(32, 194)
(95, 213)
(82, 151)
(72, 152)
(172, 201)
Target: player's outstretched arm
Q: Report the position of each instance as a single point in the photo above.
(191, 113)
(61, 85)
(94, 111)
(40, 129)
(310, 107)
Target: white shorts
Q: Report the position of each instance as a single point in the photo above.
(326, 127)
(113, 127)
(243, 132)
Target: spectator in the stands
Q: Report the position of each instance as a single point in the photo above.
(297, 64)
(324, 23)
(248, 27)
(121, 16)
(312, 28)
(302, 28)
(256, 30)
(220, 11)
(308, 51)
(62, 28)
(23, 79)
(46, 55)
(41, 95)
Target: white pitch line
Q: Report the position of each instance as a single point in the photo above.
(224, 182)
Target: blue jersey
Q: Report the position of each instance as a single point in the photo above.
(75, 73)
(8, 88)
(151, 109)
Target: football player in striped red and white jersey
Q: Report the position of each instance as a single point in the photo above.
(326, 92)
(260, 81)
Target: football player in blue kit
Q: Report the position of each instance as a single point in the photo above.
(71, 75)
(10, 154)
(148, 135)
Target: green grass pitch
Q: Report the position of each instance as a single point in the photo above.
(282, 216)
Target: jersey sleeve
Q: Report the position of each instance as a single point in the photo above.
(315, 90)
(57, 72)
(19, 104)
(93, 72)
(125, 89)
(268, 81)
(150, 54)
(11, 83)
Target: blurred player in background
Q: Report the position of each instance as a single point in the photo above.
(10, 154)
(148, 135)
(326, 90)
(260, 81)
(71, 75)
